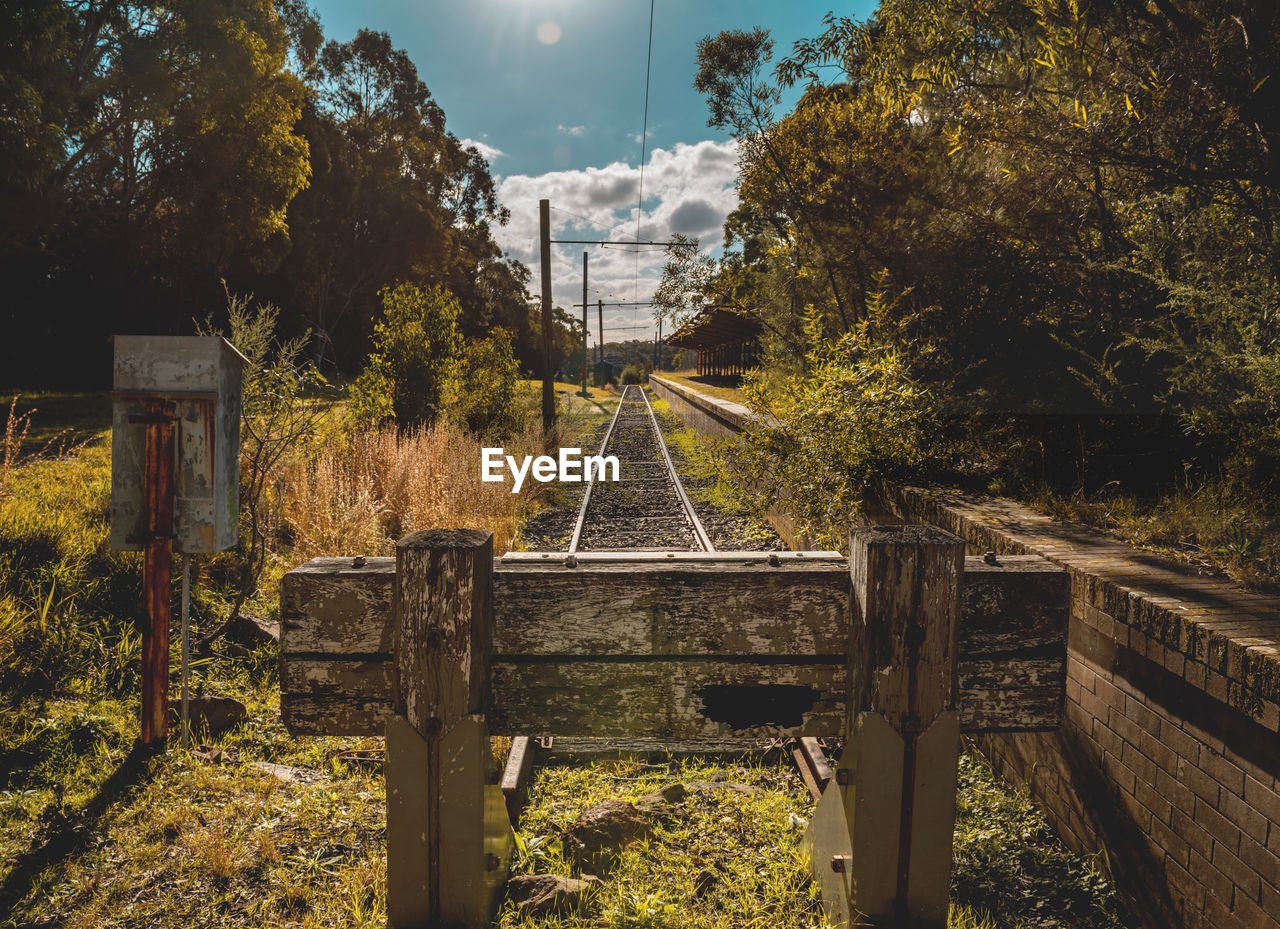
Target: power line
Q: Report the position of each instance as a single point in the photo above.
(593, 222)
(644, 140)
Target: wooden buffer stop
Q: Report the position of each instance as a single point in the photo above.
(896, 650)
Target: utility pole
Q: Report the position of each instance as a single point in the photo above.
(657, 348)
(548, 375)
(584, 323)
(600, 323)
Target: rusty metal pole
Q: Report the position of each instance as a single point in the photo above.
(157, 569)
(600, 324)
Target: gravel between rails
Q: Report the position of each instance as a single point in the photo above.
(642, 511)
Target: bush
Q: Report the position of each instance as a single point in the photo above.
(415, 345)
(826, 432)
(483, 384)
(634, 374)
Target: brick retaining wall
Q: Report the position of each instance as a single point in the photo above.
(1169, 755)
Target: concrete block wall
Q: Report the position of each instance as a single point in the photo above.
(1169, 756)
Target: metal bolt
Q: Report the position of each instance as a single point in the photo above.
(358, 561)
(570, 561)
(990, 558)
(774, 560)
(837, 863)
(842, 777)
(492, 862)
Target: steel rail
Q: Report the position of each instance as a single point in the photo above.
(586, 496)
(704, 540)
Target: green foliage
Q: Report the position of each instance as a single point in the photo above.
(855, 412)
(415, 344)
(279, 413)
(1012, 870)
(483, 386)
(634, 374)
(1072, 203)
(149, 149)
(67, 602)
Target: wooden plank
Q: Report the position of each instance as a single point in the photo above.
(337, 633)
(324, 707)
(668, 699)
(330, 606)
(1013, 709)
(443, 626)
(660, 609)
(304, 714)
(515, 776)
(1019, 604)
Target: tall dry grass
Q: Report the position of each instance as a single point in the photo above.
(361, 491)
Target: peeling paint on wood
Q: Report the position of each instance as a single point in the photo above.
(666, 699)
(337, 635)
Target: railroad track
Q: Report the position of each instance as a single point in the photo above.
(647, 509)
(647, 515)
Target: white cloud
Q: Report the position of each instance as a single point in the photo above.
(572, 130)
(688, 189)
(488, 151)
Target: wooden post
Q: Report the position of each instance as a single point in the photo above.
(881, 835)
(447, 830)
(157, 569)
(548, 372)
(600, 324)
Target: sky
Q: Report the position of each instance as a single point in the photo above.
(552, 92)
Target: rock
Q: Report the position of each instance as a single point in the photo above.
(213, 713)
(251, 631)
(547, 894)
(594, 838)
(664, 796)
(288, 773)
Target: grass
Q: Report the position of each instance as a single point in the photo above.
(1208, 526)
(725, 857)
(59, 419)
(723, 388)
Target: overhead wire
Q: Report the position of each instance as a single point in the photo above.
(644, 141)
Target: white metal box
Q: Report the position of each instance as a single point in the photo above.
(202, 375)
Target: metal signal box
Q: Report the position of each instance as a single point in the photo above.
(196, 382)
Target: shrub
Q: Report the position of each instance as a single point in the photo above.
(482, 386)
(826, 432)
(415, 345)
(634, 374)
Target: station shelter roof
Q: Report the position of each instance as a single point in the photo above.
(715, 325)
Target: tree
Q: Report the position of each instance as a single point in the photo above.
(416, 343)
(394, 197)
(153, 146)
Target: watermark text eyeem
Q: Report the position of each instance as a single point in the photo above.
(571, 467)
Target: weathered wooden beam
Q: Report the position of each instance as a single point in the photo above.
(650, 609)
(515, 775)
(698, 699)
(441, 858)
(337, 637)
(881, 836)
